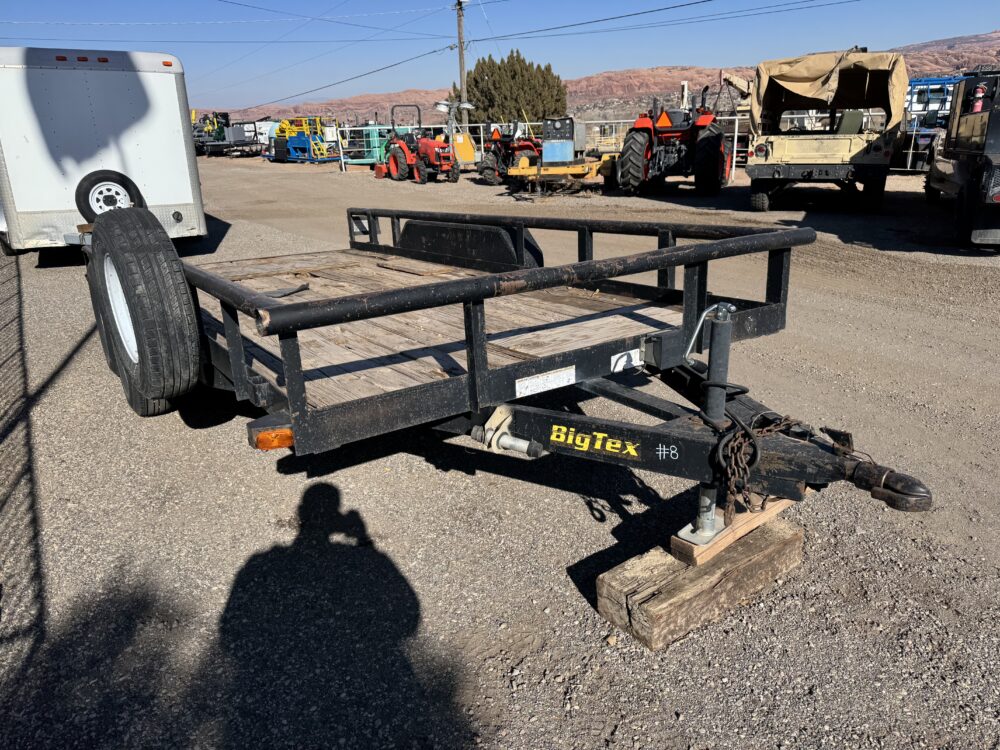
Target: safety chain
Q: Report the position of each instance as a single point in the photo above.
(738, 457)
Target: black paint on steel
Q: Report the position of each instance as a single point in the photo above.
(635, 399)
(298, 316)
(243, 299)
(599, 226)
(666, 277)
(476, 356)
(695, 300)
(237, 357)
(584, 245)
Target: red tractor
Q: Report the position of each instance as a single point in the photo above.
(416, 153)
(677, 142)
(504, 149)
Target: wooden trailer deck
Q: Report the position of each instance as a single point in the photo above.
(371, 357)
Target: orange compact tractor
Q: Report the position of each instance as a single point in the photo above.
(666, 142)
(416, 153)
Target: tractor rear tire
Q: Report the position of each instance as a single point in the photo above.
(397, 159)
(420, 171)
(489, 169)
(760, 196)
(632, 162)
(712, 161)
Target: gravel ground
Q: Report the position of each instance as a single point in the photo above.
(164, 585)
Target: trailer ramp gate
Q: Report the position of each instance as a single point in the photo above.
(730, 444)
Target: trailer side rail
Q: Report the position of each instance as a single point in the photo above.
(483, 387)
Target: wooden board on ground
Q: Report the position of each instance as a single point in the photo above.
(743, 524)
(658, 599)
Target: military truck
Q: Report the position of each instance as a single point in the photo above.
(831, 117)
(966, 163)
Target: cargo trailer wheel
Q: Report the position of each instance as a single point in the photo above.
(399, 170)
(142, 300)
(489, 169)
(106, 190)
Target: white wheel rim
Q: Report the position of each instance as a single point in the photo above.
(119, 310)
(107, 196)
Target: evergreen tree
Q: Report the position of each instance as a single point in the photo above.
(513, 89)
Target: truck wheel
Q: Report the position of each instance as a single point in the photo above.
(106, 190)
(632, 162)
(711, 161)
(760, 196)
(965, 216)
(420, 171)
(874, 193)
(489, 169)
(399, 170)
(143, 301)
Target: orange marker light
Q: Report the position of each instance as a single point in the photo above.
(269, 440)
(167, 64)
(102, 59)
(82, 59)
(61, 58)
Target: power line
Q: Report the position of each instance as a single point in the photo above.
(213, 41)
(236, 21)
(355, 77)
(324, 20)
(311, 58)
(772, 9)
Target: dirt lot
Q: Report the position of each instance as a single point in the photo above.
(159, 589)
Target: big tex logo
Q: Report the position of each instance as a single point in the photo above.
(594, 442)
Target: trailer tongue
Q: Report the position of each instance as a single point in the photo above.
(493, 385)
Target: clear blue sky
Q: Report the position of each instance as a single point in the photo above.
(240, 68)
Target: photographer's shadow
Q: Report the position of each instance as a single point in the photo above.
(315, 632)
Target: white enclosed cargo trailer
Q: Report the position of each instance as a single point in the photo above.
(83, 132)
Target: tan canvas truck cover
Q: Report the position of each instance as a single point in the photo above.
(844, 80)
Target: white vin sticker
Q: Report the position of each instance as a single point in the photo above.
(626, 360)
(546, 381)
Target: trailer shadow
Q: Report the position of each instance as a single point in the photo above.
(192, 246)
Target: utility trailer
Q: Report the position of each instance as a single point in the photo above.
(84, 132)
(453, 321)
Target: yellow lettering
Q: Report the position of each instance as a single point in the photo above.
(599, 440)
(582, 442)
(558, 434)
(613, 446)
(631, 449)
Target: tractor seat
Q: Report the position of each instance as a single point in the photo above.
(410, 139)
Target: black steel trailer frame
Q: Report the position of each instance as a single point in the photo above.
(783, 458)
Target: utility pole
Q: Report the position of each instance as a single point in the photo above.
(460, 12)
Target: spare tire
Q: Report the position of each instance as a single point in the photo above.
(106, 190)
(143, 301)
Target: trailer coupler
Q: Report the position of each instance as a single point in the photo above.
(778, 457)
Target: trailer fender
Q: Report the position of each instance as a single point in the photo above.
(142, 298)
